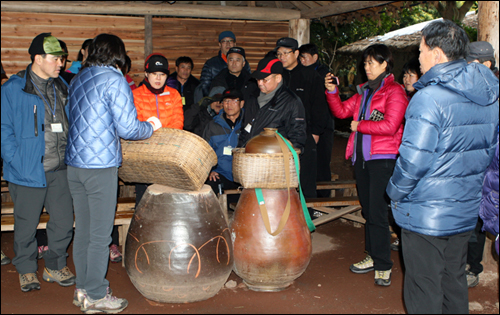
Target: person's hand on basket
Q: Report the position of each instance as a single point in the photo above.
(155, 122)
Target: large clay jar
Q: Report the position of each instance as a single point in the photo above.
(178, 246)
(263, 261)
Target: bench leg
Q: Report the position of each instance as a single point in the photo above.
(223, 205)
(123, 231)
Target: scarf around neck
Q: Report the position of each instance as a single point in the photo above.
(152, 89)
(374, 84)
(263, 98)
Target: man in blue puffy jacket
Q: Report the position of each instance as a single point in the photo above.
(34, 136)
(449, 139)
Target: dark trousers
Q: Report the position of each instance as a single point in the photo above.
(222, 184)
(324, 152)
(94, 199)
(28, 205)
(435, 281)
(372, 178)
(475, 248)
(308, 168)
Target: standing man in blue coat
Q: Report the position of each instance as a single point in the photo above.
(34, 137)
(448, 142)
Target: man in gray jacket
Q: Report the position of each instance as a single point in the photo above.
(34, 137)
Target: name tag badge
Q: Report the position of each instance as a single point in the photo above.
(57, 127)
(248, 128)
(227, 150)
(183, 101)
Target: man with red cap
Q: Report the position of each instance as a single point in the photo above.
(275, 107)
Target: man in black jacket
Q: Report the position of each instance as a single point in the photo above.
(235, 76)
(308, 55)
(308, 86)
(275, 107)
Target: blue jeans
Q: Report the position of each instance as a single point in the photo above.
(94, 199)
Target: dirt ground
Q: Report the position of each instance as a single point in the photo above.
(327, 285)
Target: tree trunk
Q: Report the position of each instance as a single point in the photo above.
(300, 29)
(488, 24)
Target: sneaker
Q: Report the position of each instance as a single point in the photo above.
(472, 279)
(42, 250)
(364, 266)
(63, 277)
(5, 259)
(108, 304)
(383, 277)
(29, 282)
(80, 294)
(396, 245)
(114, 254)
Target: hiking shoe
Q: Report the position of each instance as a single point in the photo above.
(383, 277)
(396, 245)
(108, 304)
(5, 259)
(42, 250)
(80, 294)
(364, 266)
(472, 279)
(114, 254)
(63, 277)
(29, 282)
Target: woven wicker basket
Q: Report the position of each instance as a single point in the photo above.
(260, 170)
(171, 157)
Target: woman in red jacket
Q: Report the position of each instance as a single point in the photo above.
(154, 98)
(377, 128)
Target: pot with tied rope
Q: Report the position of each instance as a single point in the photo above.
(271, 237)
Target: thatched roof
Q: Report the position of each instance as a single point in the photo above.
(405, 39)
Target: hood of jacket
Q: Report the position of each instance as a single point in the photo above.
(458, 76)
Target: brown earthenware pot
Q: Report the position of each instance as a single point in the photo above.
(263, 261)
(265, 142)
(178, 246)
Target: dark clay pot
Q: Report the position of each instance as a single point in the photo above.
(263, 261)
(178, 246)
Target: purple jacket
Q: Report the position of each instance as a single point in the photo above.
(488, 210)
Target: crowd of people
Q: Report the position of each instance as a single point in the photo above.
(419, 150)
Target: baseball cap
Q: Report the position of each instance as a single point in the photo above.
(156, 63)
(46, 44)
(479, 50)
(237, 50)
(232, 93)
(287, 42)
(266, 67)
(226, 34)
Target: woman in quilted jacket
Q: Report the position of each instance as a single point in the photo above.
(377, 128)
(101, 111)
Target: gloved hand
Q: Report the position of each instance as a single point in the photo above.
(155, 122)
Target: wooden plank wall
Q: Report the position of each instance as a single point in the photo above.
(198, 38)
(173, 37)
(19, 29)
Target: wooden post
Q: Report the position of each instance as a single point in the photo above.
(148, 35)
(488, 24)
(300, 30)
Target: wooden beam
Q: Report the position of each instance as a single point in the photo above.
(148, 35)
(339, 7)
(144, 8)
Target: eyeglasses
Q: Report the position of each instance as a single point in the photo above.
(267, 79)
(233, 101)
(285, 53)
(225, 41)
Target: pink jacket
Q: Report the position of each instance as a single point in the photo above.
(391, 100)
